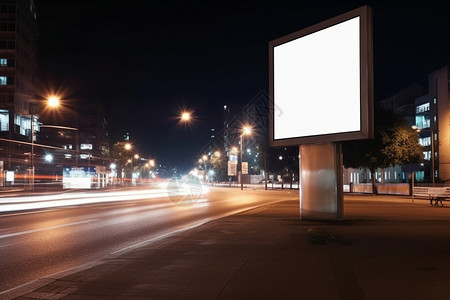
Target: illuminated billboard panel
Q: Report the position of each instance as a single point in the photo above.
(321, 82)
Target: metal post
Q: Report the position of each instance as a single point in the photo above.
(32, 150)
(241, 175)
(77, 147)
(432, 155)
(266, 175)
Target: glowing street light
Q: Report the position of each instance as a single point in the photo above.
(48, 158)
(53, 101)
(185, 116)
(127, 146)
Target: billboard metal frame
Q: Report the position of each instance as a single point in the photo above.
(366, 81)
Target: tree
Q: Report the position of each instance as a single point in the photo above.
(394, 143)
(283, 161)
(120, 155)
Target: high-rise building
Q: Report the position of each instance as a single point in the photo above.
(18, 34)
(18, 67)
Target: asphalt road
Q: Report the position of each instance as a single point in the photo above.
(41, 242)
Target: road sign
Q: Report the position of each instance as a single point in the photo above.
(232, 168)
(244, 167)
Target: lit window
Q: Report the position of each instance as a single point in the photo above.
(3, 80)
(426, 141)
(86, 146)
(4, 120)
(423, 108)
(423, 121)
(3, 62)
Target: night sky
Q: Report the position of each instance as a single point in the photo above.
(148, 60)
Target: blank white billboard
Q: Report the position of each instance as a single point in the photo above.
(321, 83)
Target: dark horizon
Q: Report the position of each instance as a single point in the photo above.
(147, 61)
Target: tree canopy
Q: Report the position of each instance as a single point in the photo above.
(394, 143)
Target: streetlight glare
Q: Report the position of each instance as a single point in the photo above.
(185, 116)
(127, 146)
(53, 101)
(152, 162)
(48, 158)
(247, 130)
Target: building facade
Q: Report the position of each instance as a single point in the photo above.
(433, 121)
(429, 111)
(18, 68)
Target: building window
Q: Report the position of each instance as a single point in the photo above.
(4, 120)
(3, 80)
(7, 27)
(423, 122)
(422, 108)
(7, 45)
(427, 155)
(86, 147)
(420, 175)
(426, 141)
(3, 62)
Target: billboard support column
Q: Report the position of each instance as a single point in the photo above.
(321, 191)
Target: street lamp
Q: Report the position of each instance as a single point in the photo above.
(185, 116)
(48, 158)
(432, 149)
(246, 130)
(128, 147)
(52, 102)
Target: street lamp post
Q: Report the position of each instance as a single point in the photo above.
(52, 102)
(32, 151)
(245, 131)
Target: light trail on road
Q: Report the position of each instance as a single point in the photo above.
(11, 204)
(78, 229)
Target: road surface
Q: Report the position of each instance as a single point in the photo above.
(44, 241)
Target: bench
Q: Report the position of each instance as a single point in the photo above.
(435, 194)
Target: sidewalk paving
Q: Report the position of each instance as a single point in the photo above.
(383, 250)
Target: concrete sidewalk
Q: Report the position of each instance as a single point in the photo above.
(387, 248)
